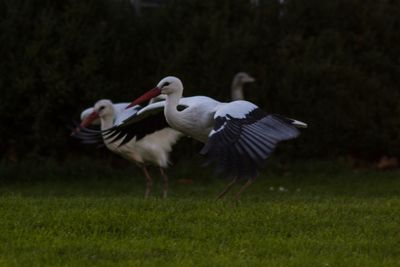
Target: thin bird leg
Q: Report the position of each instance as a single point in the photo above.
(226, 190)
(149, 182)
(247, 184)
(165, 189)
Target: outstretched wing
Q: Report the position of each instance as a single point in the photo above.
(146, 121)
(244, 136)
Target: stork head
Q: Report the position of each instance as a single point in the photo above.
(167, 86)
(243, 77)
(104, 108)
(170, 85)
(101, 109)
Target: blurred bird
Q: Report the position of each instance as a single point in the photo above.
(238, 136)
(237, 85)
(151, 144)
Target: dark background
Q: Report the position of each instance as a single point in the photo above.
(332, 64)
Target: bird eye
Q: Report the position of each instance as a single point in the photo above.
(102, 107)
(166, 84)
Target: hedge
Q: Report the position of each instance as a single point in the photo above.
(333, 64)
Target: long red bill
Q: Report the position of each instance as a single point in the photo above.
(89, 119)
(86, 122)
(145, 97)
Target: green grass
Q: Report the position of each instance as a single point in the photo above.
(85, 214)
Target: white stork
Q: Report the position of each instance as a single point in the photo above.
(238, 136)
(237, 85)
(152, 142)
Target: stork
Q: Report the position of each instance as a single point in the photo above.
(152, 143)
(238, 135)
(237, 85)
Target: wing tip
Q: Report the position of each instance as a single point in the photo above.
(299, 124)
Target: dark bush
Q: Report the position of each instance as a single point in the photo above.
(333, 64)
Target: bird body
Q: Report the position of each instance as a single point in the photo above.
(193, 121)
(153, 148)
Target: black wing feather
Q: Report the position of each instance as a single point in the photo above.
(139, 125)
(88, 136)
(241, 146)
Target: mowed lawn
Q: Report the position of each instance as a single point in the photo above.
(308, 214)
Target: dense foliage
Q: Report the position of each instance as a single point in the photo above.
(333, 64)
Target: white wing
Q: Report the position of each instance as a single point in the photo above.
(121, 114)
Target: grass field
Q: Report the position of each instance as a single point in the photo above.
(82, 214)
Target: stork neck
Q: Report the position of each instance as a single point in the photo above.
(172, 103)
(237, 91)
(107, 119)
(106, 122)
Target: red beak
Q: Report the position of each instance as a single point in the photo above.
(89, 119)
(145, 97)
(86, 122)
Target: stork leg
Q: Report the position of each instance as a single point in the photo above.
(227, 189)
(247, 184)
(149, 182)
(165, 188)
